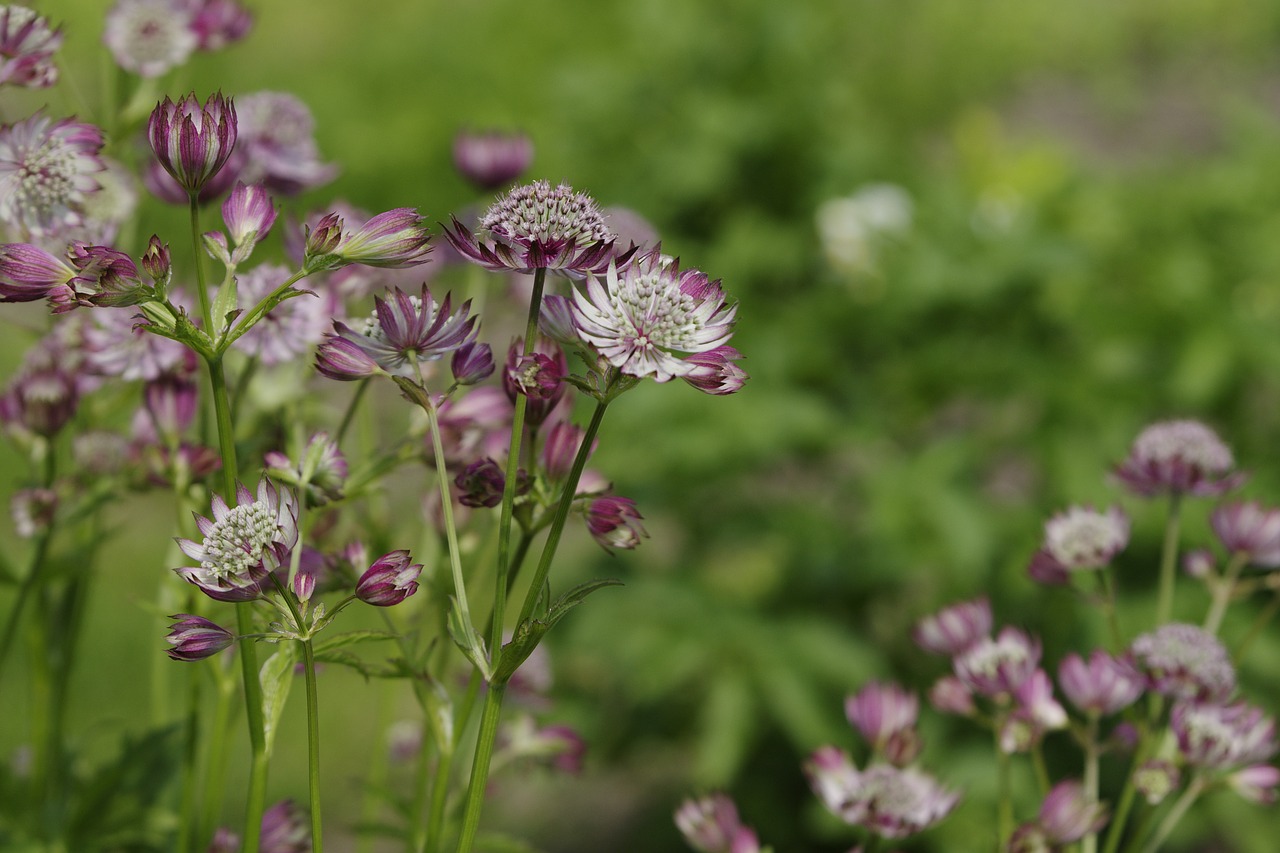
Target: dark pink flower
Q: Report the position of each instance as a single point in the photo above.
(391, 579)
(1068, 814)
(1249, 528)
(1177, 457)
(998, 667)
(193, 141)
(405, 331)
(715, 371)
(1224, 737)
(885, 715)
(1104, 685)
(196, 638)
(1185, 662)
(392, 240)
(27, 46)
(493, 159)
(710, 824)
(953, 629)
(614, 522)
(47, 173)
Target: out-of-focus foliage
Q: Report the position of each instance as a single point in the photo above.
(1094, 196)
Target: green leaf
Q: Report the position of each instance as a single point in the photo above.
(350, 638)
(277, 678)
(576, 596)
(469, 640)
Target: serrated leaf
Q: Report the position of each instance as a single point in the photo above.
(345, 658)
(469, 641)
(277, 678)
(350, 638)
(576, 596)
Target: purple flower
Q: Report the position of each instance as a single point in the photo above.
(953, 629)
(1256, 783)
(148, 37)
(41, 401)
(390, 580)
(889, 801)
(342, 359)
(1178, 457)
(539, 377)
(1248, 528)
(642, 318)
(1068, 814)
(536, 226)
(614, 522)
(28, 273)
(407, 330)
(1223, 737)
(950, 696)
(1156, 779)
(32, 511)
(998, 667)
(471, 363)
(710, 824)
(118, 344)
(715, 372)
(192, 142)
(555, 320)
(155, 261)
(1185, 662)
(1035, 698)
(277, 136)
(561, 447)
(493, 159)
(196, 638)
(1084, 538)
(105, 278)
(1104, 685)
(218, 23)
(321, 472)
(169, 407)
(248, 214)
(286, 828)
(243, 544)
(885, 715)
(47, 173)
(393, 239)
(482, 483)
(27, 46)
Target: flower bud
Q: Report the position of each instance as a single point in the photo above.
(192, 142)
(390, 580)
(472, 363)
(196, 638)
(614, 522)
(491, 160)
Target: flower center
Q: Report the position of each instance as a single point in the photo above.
(236, 543)
(536, 213)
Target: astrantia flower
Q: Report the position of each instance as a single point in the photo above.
(148, 37)
(1185, 662)
(248, 214)
(322, 469)
(953, 629)
(1104, 685)
(885, 715)
(27, 46)
(536, 226)
(710, 824)
(277, 137)
(28, 273)
(1084, 538)
(614, 522)
(1223, 737)
(46, 172)
(40, 401)
(539, 377)
(390, 580)
(647, 318)
(192, 142)
(997, 667)
(889, 801)
(32, 511)
(1248, 528)
(218, 23)
(715, 371)
(286, 828)
(491, 160)
(471, 363)
(243, 544)
(407, 330)
(196, 638)
(1177, 457)
(1069, 814)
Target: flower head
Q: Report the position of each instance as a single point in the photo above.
(28, 273)
(1104, 685)
(1185, 662)
(536, 226)
(710, 824)
(248, 214)
(1223, 737)
(614, 522)
(953, 629)
(493, 159)
(277, 136)
(148, 37)
(218, 23)
(1248, 528)
(1176, 457)
(40, 401)
(647, 318)
(1069, 814)
(390, 580)
(889, 801)
(193, 141)
(998, 667)
(27, 46)
(471, 363)
(539, 377)
(393, 240)
(32, 511)
(286, 828)
(243, 544)
(1084, 538)
(715, 371)
(47, 172)
(196, 638)
(885, 715)
(405, 331)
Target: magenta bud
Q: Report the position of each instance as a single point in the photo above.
(196, 638)
(614, 522)
(339, 358)
(716, 372)
(192, 142)
(390, 580)
(491, 160)
(953, 629)
(482, 483)
(472, 363)
(155, 261)
(248, 214)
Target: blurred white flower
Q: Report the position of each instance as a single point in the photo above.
(853, 227)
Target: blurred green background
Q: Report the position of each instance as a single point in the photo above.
(1082, 236)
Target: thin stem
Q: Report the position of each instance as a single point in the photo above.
(1125, 804)
(1004, 782)
(1223, 590)
(1255, 629)
(349, 415)
(1089, 844)
(1040, 769)
(313, 742)
(439, 800)
(1107, 588)
(33, 578)
(1184, 802)
(1169, 560)
(446, 508)
(187, 826)
(215, 766)
(480, 767)
(513, 473)
(202, 290)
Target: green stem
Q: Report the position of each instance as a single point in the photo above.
(513, 473)
(1125, 804)
(1108, 591)
(1169, 560)
(33, 578)
(187, 826)
(439, 800)
(1089, 844)
(1040, 769)
(313, 742)
(197, 249)
(215, 764)
(1264, 617)
(250, 318)
(1223, 590)
(1004, 782)
(480, 767)
(349, 415)
(446, 508)
(1176, 813)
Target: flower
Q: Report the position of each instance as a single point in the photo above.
(405, 331)
(169, 407)
(1248, 528)
(1035, 697)
(1084, 538)
(953, 629)
(1155, 779)
(950, 695)
(27, 46)
(715, 372)
(32, 511)
(493, 159)
(218, 23)
(40, 400)
(1104, 685)
(1177, 457)
(885, 715)
(1069, 814)
(643, 316)
(47, 172)
(889, 801)
(196, 638)
(535, 226)
(248, 214)
(28, 273)
(289, 329)
(277, 137)
(105, 278)
(1185, 662)
(244, 544)
(286, 828)
(148, 37)
(482, 483)
(390, 580)
(614, 522)
(321, 473)
(710, 824)
(392, 240)
(997, 667)
(1256, 783)
(117, 344)
(471, 363)
(1223, 737)
(539, 377)
(341, 359)
(561, 447)
(192, 142)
